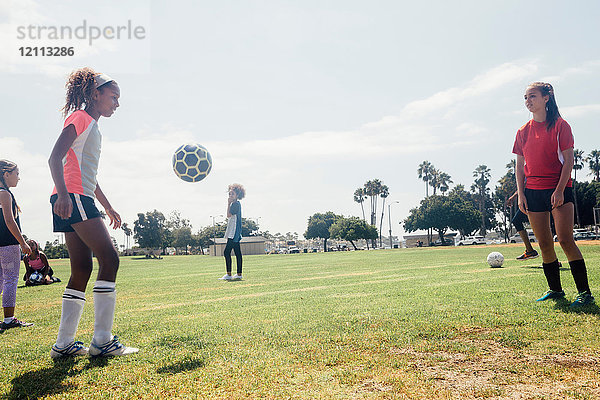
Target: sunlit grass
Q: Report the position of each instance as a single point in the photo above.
(409, 323)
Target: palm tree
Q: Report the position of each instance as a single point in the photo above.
(127, 231)
(359, 197)
(593, 160)
(577, 165)
(385, 192)
(424, 172)
(373, 189)
(482, 175)
(444, 182)
(434, 181)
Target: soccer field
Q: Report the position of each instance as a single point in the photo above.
(411, 323)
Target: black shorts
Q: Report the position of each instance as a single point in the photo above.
(518, 220)
(538, 200)
(84, 208)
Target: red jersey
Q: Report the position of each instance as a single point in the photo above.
(542, 150)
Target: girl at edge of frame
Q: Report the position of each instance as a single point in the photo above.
(233, 234)
(544, 187)
(73, 165)
(10, 240)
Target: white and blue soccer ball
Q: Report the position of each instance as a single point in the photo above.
(495, 259)
(192, 162)
(35, 278)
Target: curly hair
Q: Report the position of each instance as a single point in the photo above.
(81, 86)
(238, 189)
(552, 113)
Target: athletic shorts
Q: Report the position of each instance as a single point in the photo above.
(84, 208)
(538, 200)
(518, 220)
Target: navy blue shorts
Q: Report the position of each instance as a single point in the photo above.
(84, 208)
(538, 200)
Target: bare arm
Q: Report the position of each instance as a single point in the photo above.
(510, 200)
(44, 259)
(520, 174)
(9, 219)
(63, 206)
(558, 198)
(115, 218)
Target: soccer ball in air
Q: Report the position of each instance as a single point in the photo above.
(192, 162)
(495, 259)
(35, 278)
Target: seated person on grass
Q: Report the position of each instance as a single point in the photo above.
(38, 262)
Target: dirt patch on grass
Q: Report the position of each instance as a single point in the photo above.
(490, 370)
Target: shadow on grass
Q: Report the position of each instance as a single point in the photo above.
(43, 382)
(176, 342)
(540, 267)
(48, 381)
(186, 364)
(188, 342)
(564, 305)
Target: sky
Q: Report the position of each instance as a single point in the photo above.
(300, 101)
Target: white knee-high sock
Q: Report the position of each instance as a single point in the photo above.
(105, 298)
(72, 308)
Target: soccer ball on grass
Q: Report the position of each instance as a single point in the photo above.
(35, 278)
(192, 162)
(495, 259)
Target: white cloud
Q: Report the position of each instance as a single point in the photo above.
(480, 85)
(581, 110)
(287, 178)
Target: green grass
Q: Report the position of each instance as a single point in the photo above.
(410, 323)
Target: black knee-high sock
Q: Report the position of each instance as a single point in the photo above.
(580, 275)
(552, 272)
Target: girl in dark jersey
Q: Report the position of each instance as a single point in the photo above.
(233, 234)
(544, 149)
(10, 240)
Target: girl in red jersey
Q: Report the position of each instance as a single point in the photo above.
(544, 149)
(74, 164)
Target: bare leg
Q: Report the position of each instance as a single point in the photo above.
(9, 312)
(81, 262)
(525, 237)
(94, 235)
(540, 223)
(563, 222)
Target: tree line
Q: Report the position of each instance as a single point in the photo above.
(155, 231)
(483, 209)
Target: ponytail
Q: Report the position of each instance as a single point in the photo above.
(552, 113)
(7, 166)
(80, 89)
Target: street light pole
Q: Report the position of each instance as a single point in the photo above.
(390, 217)
(215, 231)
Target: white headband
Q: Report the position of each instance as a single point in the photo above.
(101, 79)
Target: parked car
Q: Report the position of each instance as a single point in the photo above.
(579, 234)
(447, 242)
(293, 250)
(516, 238)
(468, 240)
(585, 236)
